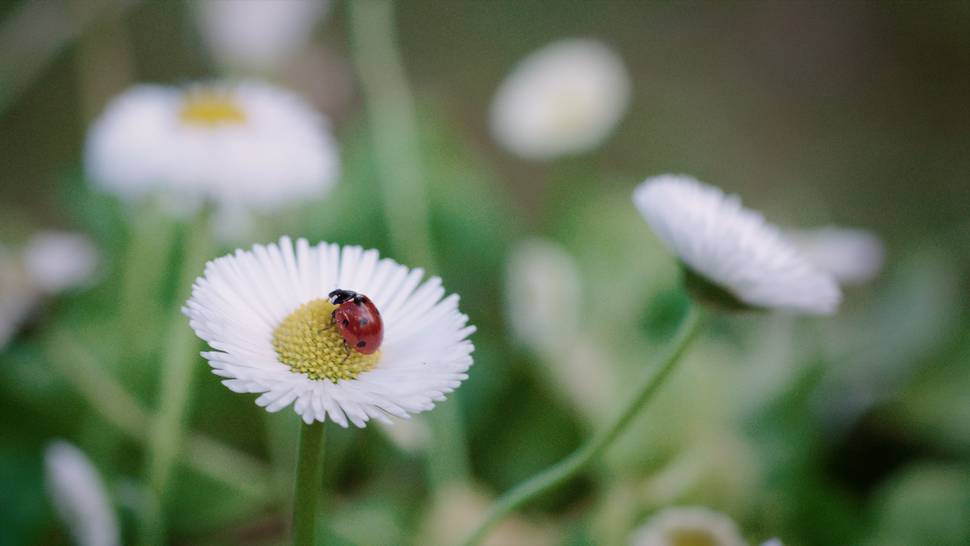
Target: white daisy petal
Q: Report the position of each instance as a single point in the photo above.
(733, 247)
(57, 260)
(243, 298)
(257, 35)
(563, 99)
(244, 146)
(688, 525)
(79, 496)
(852, 256)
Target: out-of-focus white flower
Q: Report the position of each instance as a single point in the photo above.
(17, 296)
(79, 496)
(456, 510)
(852, 256)
(688, 526)
(716, 469)
(257, 35)
(544, 306)
(249, 144)
(563, 99)
(267, 315)
(412, 436)
(544, 294)
(58, 260)
(773, 542)
(730, 249)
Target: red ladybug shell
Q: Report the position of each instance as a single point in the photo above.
(358, 321)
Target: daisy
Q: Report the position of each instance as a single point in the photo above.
(267, 314)
(544, 295)
(852, 256)
(731, 255)
(254, 35)
(688, 526)
(57, 260)
(18, 297)
(565, 98)
(247, 145)
(79, 496)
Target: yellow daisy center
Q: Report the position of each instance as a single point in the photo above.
(210, 108)
(309, 343)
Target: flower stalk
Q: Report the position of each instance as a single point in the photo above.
(394, 128)
(309, 475)
(578, 460)
(181, 353)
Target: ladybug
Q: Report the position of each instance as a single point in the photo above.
(358, 320)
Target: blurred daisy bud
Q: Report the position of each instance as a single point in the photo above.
(337, 332)
(257, 35)
(56, 261)
(852, 256)
(565, 98)
(249, 145)
(716, 469)
(18, 297)
(457, 508)
(411, 435)
(79, 496)
(732, 258)
(680, 526)
(543, 289)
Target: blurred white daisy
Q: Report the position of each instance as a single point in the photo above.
(17, 296)
(773, 542)
(688, 526)
(257, 35)
(267, 315)
(852, 256)
(543, 295)
(563, 99)
(731, 254)
(59, 260)
(79, 496)
(456, 508)
(247, 145)
(411, 436)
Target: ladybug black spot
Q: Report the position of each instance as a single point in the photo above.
(361, 343)
(346, 322)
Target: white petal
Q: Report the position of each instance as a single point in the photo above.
(663, 528)
(562, 99)
(733, 247)
(79, 496)
(242, 297)
(280, 154)
(853, 256)
(257, 35)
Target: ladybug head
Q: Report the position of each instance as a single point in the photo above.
(339, 296)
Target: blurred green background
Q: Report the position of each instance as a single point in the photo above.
(844, 430)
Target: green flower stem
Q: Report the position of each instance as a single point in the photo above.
(147, 253)
(119, 408)
(309, 477)
(394, 128)
(178, 364)
(579, 459)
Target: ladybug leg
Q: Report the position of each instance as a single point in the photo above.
(348, 353)
(333, 321)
